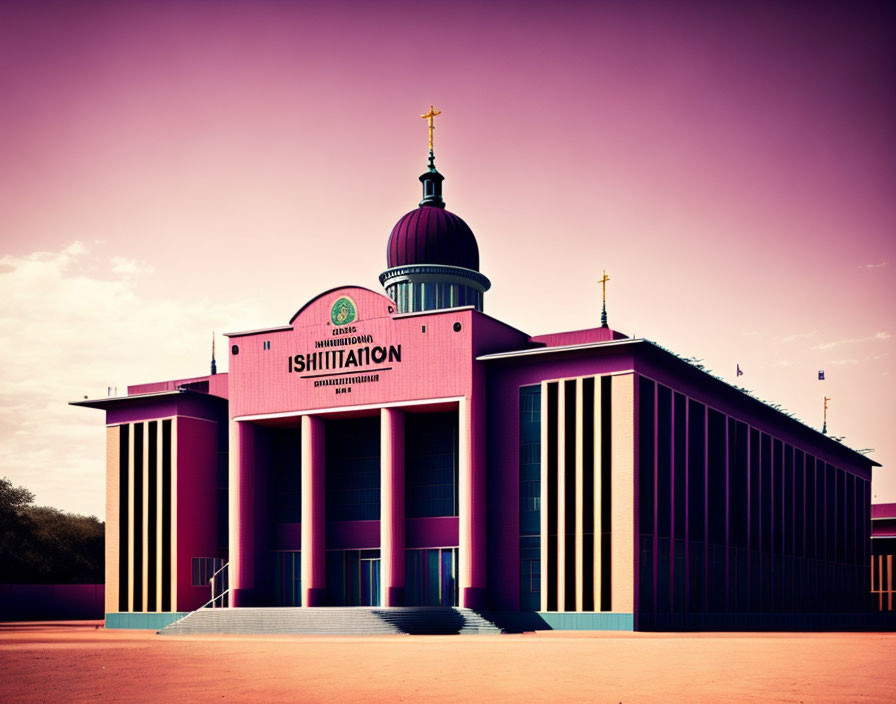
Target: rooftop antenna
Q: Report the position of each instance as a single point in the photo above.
(214, 366)
(603, 312)
(824, 427)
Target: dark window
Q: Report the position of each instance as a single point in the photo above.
(716, 473)
(696, 471)
(646, 401)
(530, 573)
(588, 494)
(552, 496)
(569, 453)
(739, 487)
(530, 498)
(697, 505)
(777, 502)
(680, 470)
(431, 464)
(755, 478)
(353, 469)
(680, 467)
(788, 500)
(606, 494)
(830, 503)
(288, 578)
(664, 461)
(811, 509)
(530, 460)
(286, 474)
(765, 492)
(799, 508)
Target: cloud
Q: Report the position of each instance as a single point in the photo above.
(120, 265)
(878, 336)
(872, 266)
(798, 336)
(72, 323)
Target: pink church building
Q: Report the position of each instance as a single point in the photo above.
(406, 449)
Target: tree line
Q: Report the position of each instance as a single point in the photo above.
(43, 545)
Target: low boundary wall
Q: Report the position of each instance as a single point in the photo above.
(45, 602)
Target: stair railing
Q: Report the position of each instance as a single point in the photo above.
(219, 583)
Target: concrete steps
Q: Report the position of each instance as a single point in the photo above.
(345, 620)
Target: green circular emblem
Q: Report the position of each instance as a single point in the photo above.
(343, 311)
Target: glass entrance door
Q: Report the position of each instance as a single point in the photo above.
(431, 577)
(370, 581)
(353, 577)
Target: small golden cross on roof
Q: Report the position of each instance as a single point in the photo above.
(603, 311)
(429, 116)
(603, 282)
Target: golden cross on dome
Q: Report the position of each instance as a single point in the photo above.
(430, 116)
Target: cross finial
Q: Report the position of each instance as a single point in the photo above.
(429, 117)
(824, 427)
(603, 313)
(214, 368)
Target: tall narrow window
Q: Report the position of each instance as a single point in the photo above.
(166, 515)
(606, 496)
(151, 515)
(124, 455)
(138, 517)
(530, 497)
(552, 476)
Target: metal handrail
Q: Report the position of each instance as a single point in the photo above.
(220, 597)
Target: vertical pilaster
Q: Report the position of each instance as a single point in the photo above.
(727, 510)
(580, 499)
(113, 518)
(160, 450)
(241, 506)
(543, 490)
(561, 497)
(471, 502)
(392, 514)
(144, 532)
(175, 482)
(622, 522)
(314, 567)
(130, 585)
(598, 493)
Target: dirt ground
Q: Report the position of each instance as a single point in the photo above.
(81, 661)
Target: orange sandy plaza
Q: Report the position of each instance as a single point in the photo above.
(81, 661)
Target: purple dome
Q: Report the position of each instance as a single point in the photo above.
(432, 235)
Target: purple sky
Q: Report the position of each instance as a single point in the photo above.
(167, 169)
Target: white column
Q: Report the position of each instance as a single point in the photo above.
(392, 514)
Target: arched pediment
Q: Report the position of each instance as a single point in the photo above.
(343, 305)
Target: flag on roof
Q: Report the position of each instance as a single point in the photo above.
(821, 374)
(739, 371)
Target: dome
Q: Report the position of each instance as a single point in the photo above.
(432, 235)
